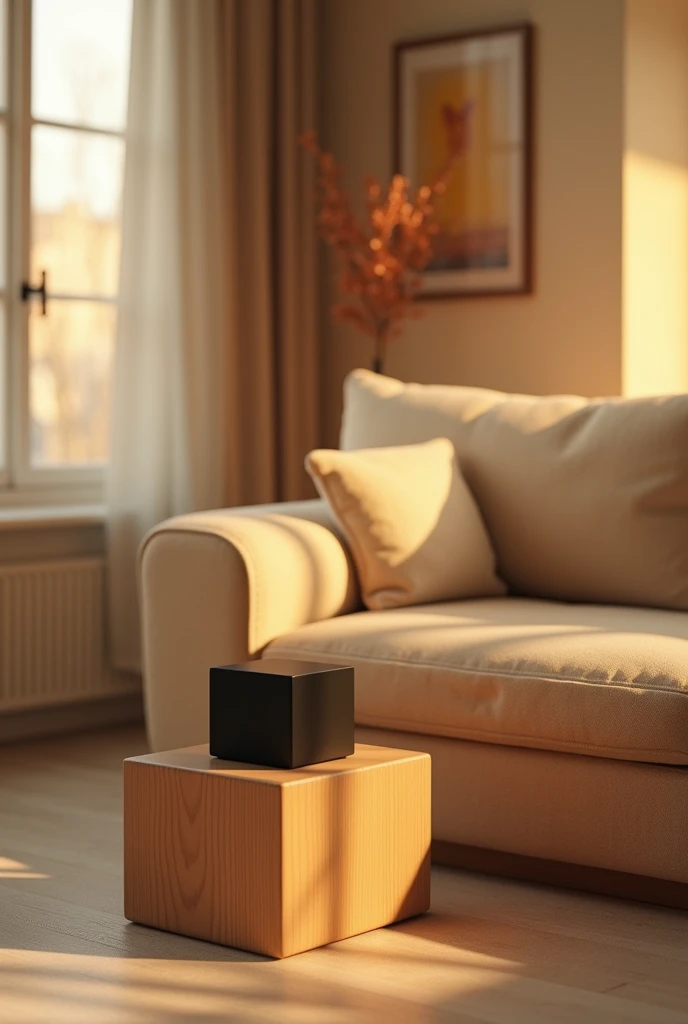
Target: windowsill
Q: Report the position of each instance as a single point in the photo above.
(51, 516)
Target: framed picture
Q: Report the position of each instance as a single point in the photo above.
(465, 102)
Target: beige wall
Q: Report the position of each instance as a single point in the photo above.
(655, 198)
(567, 336)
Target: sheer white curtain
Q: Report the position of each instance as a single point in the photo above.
(215, 383)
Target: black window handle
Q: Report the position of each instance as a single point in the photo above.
(27, 290)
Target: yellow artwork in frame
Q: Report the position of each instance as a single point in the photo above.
(469, 97)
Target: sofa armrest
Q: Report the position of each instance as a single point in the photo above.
(216, 587)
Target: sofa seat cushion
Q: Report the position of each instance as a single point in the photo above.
(599, 680)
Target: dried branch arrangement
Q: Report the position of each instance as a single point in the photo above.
(379, 260)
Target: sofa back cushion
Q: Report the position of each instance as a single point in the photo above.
(585, 500)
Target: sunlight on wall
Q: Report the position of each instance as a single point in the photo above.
(655, 276)
(655, 198)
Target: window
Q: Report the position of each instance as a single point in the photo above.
(63, 96)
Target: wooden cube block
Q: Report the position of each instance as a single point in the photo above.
(276, 861)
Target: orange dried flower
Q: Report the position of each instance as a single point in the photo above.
(379, 263)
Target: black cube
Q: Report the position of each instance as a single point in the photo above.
(281, 713)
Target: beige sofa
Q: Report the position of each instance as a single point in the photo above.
(556, 717)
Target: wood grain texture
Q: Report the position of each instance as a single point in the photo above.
(489, 952)
(355, 850)
(273, 861)
(202, 855)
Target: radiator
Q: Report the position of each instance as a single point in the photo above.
(52, 647)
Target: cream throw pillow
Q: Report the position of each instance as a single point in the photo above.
(412, 524)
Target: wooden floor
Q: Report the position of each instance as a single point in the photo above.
(490, 950)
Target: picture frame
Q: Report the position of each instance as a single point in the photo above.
(467, 98)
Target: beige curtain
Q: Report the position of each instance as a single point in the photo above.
(216, 375)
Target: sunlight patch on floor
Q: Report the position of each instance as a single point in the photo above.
(15, 869)
(81, 989)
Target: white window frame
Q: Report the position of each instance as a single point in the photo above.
(22, 484)
(6, 364)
